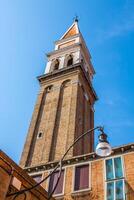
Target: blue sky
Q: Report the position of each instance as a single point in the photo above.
(28, 30)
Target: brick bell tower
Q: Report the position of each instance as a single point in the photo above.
(64, 107)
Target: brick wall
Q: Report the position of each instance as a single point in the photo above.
(97, 186)
(61, 113)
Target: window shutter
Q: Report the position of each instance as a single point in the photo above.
(53, 180)
(81, 177)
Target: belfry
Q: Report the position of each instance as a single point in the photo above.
(64, 108)
(63, 112)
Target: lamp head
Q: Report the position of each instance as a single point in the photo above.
(103, 148)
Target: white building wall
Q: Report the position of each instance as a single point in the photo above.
(76, 57)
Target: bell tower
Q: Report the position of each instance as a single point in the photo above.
(64, 108)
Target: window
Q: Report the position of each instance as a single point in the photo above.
(114, 179)
(53, 180)
(70, 61)
(56, 64)
(49, 88)
(40, 134)
(81, 179)
(37, 178)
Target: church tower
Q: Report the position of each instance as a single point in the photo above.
(64, 108)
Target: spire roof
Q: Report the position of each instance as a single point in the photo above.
(73, 30)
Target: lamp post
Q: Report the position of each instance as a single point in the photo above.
(103, 149)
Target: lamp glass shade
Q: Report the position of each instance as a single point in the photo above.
(103, 149)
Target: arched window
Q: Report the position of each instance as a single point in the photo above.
(56, 65)
(70, 61)
(66, 83)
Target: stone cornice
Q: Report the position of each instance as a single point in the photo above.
(120, 150)
(63, 49)
(67, 70)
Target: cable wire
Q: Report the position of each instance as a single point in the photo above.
(60, 164)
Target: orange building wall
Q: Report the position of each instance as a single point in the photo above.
(97, 180)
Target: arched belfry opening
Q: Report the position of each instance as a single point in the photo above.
(69, 60)
(56, 65)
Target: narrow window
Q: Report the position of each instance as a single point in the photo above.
(37, 178)
(49, 88)
(110, 190)
(109, 169)
(56, 65)
(70, 61)
(81, 179)
(114, 179)
(53, 180)
(40, 134)
(119, 190)
(118, 167)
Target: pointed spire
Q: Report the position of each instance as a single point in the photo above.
(73, 29)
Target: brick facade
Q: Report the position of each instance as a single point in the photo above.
(97, 181)
(62, 111)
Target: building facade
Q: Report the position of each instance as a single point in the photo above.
(64, 110)
(14, 179)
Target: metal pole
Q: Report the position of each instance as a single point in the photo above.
(57, 166)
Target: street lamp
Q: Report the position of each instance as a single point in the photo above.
(103, 149)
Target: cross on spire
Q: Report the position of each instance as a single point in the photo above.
(76, 18)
